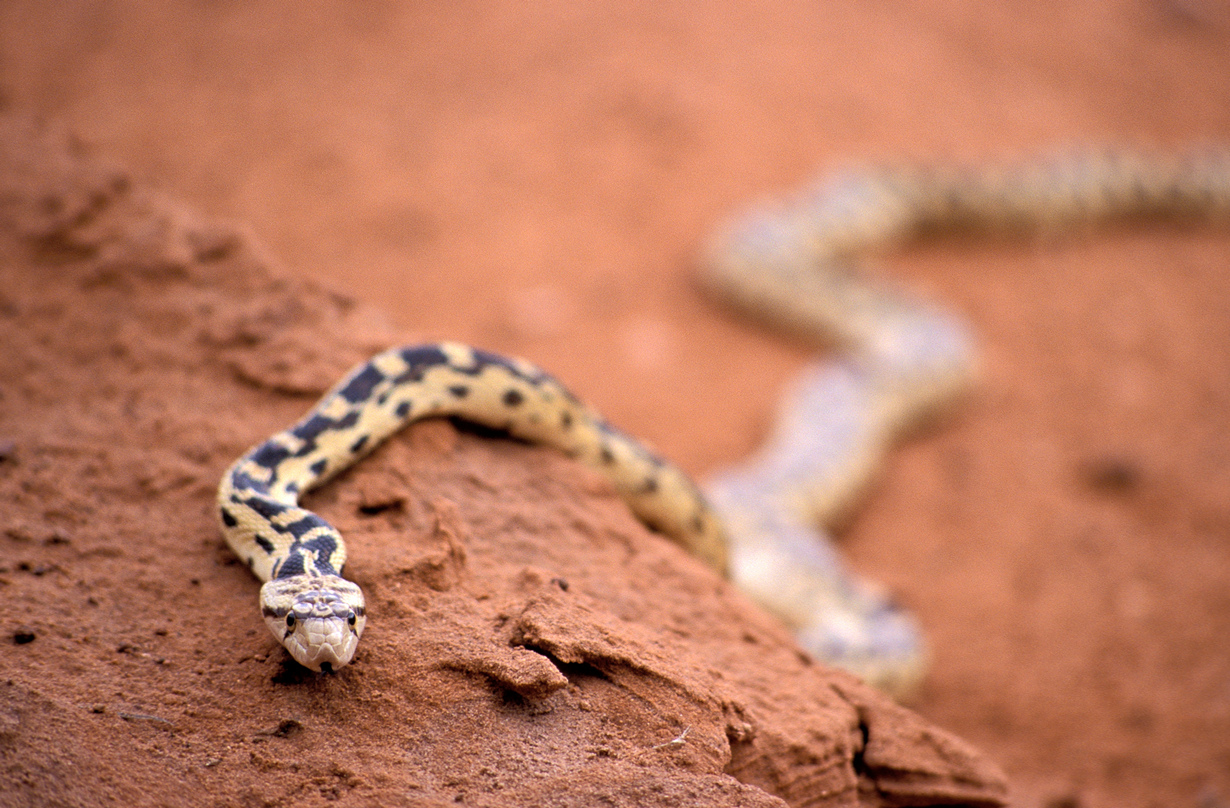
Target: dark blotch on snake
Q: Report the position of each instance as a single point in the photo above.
(308, 430)
(312, 428)
(565, 419)
(324, 547)
(304, 525)
(267, 508)
(264, 543)
(319, 466)
(243, 481)
(291, 565)
(227, 519)
(420, 358)
(459, 390)
(358, 445)
(513, 398)
(269, 455)
(403, 409)
(361, 385)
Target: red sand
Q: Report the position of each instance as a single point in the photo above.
(538, 183)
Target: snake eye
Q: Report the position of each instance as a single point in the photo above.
(290, 620)
(352, 620)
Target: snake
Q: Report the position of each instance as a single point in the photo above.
(896, 361)
(316, 613)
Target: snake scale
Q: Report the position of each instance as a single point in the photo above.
(763, 523)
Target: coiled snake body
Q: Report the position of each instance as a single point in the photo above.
(792, 265)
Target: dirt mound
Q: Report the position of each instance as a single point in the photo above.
(530, 643)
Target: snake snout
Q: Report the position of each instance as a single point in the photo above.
(318, 619)
(323, 643)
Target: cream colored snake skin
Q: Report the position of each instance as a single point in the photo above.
(899, 359)
(792, 265)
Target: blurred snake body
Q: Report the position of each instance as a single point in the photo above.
(898, 360)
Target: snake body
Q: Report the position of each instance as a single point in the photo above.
(898, 360)
(318, 615)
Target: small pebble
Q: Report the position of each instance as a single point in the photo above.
(285, 728)
(1111, 475)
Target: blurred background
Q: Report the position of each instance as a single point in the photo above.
(537, 179)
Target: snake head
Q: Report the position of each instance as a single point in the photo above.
(319, 618)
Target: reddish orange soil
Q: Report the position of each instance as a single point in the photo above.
(537, 181)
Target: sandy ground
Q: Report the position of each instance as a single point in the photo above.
(539, 183)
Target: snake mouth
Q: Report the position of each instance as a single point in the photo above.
(321, 643)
